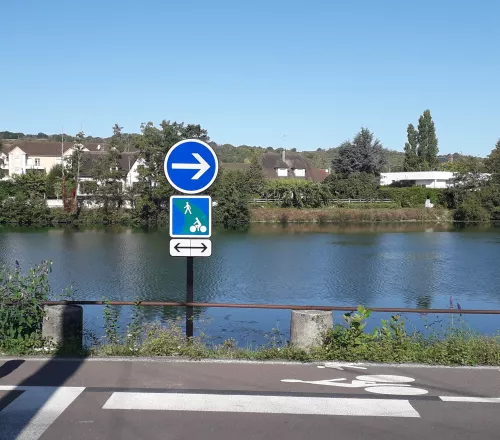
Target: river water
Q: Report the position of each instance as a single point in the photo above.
(376, 265)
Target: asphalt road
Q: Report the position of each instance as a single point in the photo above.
(162, 399)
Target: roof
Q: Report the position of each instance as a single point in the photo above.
(125, 162)
(317, 174)
(292, 161)
(42, 148)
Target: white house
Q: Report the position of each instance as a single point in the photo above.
(290, 165)
(127, 164)
(24, 157)
(428, 179)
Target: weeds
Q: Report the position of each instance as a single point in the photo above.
(21, 311)
(111, 327)
(458, 345)
(392, 341)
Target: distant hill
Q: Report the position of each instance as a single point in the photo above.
(320, 158)
(228, 153)
(12, 136)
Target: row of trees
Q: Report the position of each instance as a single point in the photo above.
(421, 149)
(474, 195)
(43, 136)
(355, 174)
(149, 197)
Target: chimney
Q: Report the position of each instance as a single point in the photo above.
(283, 155)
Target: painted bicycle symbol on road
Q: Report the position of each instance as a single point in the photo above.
(378, 384)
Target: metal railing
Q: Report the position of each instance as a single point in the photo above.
(273, 307)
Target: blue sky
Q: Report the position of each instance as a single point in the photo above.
(303, 74)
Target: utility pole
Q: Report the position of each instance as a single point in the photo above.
(63, 189)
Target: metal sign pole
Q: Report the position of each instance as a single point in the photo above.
(189, 297)
(190, 166)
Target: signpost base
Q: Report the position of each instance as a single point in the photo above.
(189, 296)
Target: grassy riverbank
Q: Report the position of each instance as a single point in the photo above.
(456, 348)
(364, 213)
(390, 342)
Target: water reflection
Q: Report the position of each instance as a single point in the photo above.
(402, 264)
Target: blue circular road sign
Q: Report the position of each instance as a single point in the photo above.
(191, 166)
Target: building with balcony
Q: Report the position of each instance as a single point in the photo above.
(25, 157)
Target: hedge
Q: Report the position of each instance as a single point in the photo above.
(412, 197)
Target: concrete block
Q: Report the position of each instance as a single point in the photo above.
(307, 327)
(63, 325)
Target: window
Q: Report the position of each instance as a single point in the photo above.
(282, 172)
(300, 172)
(37, 161)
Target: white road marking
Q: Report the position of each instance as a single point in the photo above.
(470, 399)
(28, 416)
(377, 383)
(261, 404)
(338, 383)
(340, 366)
(389, 378)
(396, 390)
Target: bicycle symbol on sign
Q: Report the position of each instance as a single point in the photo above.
(198, 227)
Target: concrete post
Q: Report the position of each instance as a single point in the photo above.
(307, 327)
(64, 325)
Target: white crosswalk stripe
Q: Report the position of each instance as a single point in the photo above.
(29, 415)
(327, 406)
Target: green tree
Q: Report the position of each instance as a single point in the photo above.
(54, 178)
(31, 185)
(153, 188)
(427, 143)
(76, 161)
(411, 162)
(1, 160)
(107, 174)
(493, 163)
(468, 181)
(364, 154)
(232, 210)
(255, 177)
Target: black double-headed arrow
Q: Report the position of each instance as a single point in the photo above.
(203, 247)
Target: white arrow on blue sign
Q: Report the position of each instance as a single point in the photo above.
(191, 166)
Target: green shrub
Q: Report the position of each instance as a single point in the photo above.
(412, 197)
(495, 214)
(23, 210)
(392, 343)
(354, 186)
(21, 311)
(7, 189)
(296, 193)
(101, 216)
(60, 216)
(471, 210)
(232, 210)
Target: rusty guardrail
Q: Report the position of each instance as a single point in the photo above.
(273, 307)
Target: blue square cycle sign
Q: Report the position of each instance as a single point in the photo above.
(190, 216)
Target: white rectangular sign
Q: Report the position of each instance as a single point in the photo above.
(190, 248)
